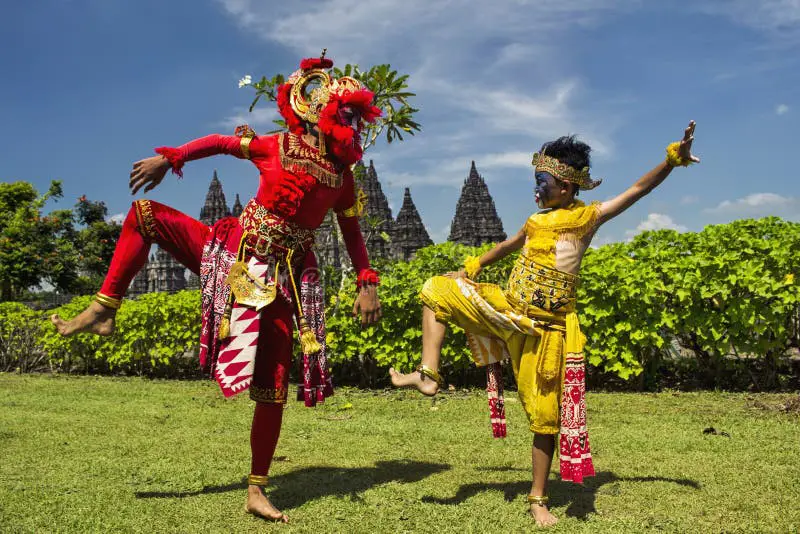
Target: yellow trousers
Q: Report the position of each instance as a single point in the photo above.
(536, 342)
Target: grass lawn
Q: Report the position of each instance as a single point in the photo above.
(89, 454)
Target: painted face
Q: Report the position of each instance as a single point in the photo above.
(549, 192)
(349, 116)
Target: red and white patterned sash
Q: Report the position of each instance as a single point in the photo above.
(574, 451)
(237, 356)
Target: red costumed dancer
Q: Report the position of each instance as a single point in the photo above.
(258, 272)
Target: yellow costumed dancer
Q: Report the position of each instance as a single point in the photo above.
(533, 321)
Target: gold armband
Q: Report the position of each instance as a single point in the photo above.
(359, 203)
(247, 134)
(352, 211)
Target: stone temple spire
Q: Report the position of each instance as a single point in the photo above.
(409, 233)
(377, 218)
(237, 207)
(476, 221)
(215, 207)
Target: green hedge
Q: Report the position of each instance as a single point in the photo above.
(726, 299)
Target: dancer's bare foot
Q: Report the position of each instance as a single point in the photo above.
(96, 319)
(425, 385)
(542, 515)
(259, 505)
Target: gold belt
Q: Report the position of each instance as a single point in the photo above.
(534, 285)
(263, 230)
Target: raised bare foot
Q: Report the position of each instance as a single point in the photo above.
(259, 505)
(96, 319)
(542, 515)
(425, 385)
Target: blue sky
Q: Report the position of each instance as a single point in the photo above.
(89, 86)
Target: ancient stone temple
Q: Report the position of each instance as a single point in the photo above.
(377, 220)
(139, 284)
(237, 208)
(476, 221)
(215, 207)
(376, 223)
(164, 273)
(326, 246)
(409, 234)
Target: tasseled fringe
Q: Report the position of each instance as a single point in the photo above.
(308, 339)
(224, 328)
(323, 176)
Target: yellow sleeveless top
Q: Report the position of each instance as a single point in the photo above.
(535, 281)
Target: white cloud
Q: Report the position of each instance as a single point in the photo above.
(656, 221)
(781, 109)
(471, 63)
(765, 15)
(758, 205)
(689, 199)
(118, 218)
(260, 118)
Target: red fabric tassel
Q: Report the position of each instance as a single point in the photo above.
(175, 158)
(497, 405)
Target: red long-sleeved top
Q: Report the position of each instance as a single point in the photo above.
(276, 181)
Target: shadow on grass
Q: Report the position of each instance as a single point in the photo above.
(297, 487)
(580, 500)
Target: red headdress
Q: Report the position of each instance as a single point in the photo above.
(299, 103)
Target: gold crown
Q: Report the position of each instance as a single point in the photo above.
(564, 172)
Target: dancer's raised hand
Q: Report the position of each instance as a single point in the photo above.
(148, 172)
(685, 150)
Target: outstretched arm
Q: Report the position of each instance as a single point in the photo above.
(648, 182)
(348, 209)
(150, 171)
(497, 253)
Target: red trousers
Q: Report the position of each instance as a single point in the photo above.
(184, 237)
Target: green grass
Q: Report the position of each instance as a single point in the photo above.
(87, 454)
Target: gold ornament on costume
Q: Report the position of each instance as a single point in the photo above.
(345, 84)
(564, 172)
(251, 292)
(359, 203)
(309, 108)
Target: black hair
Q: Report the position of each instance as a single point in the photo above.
(569, 150)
